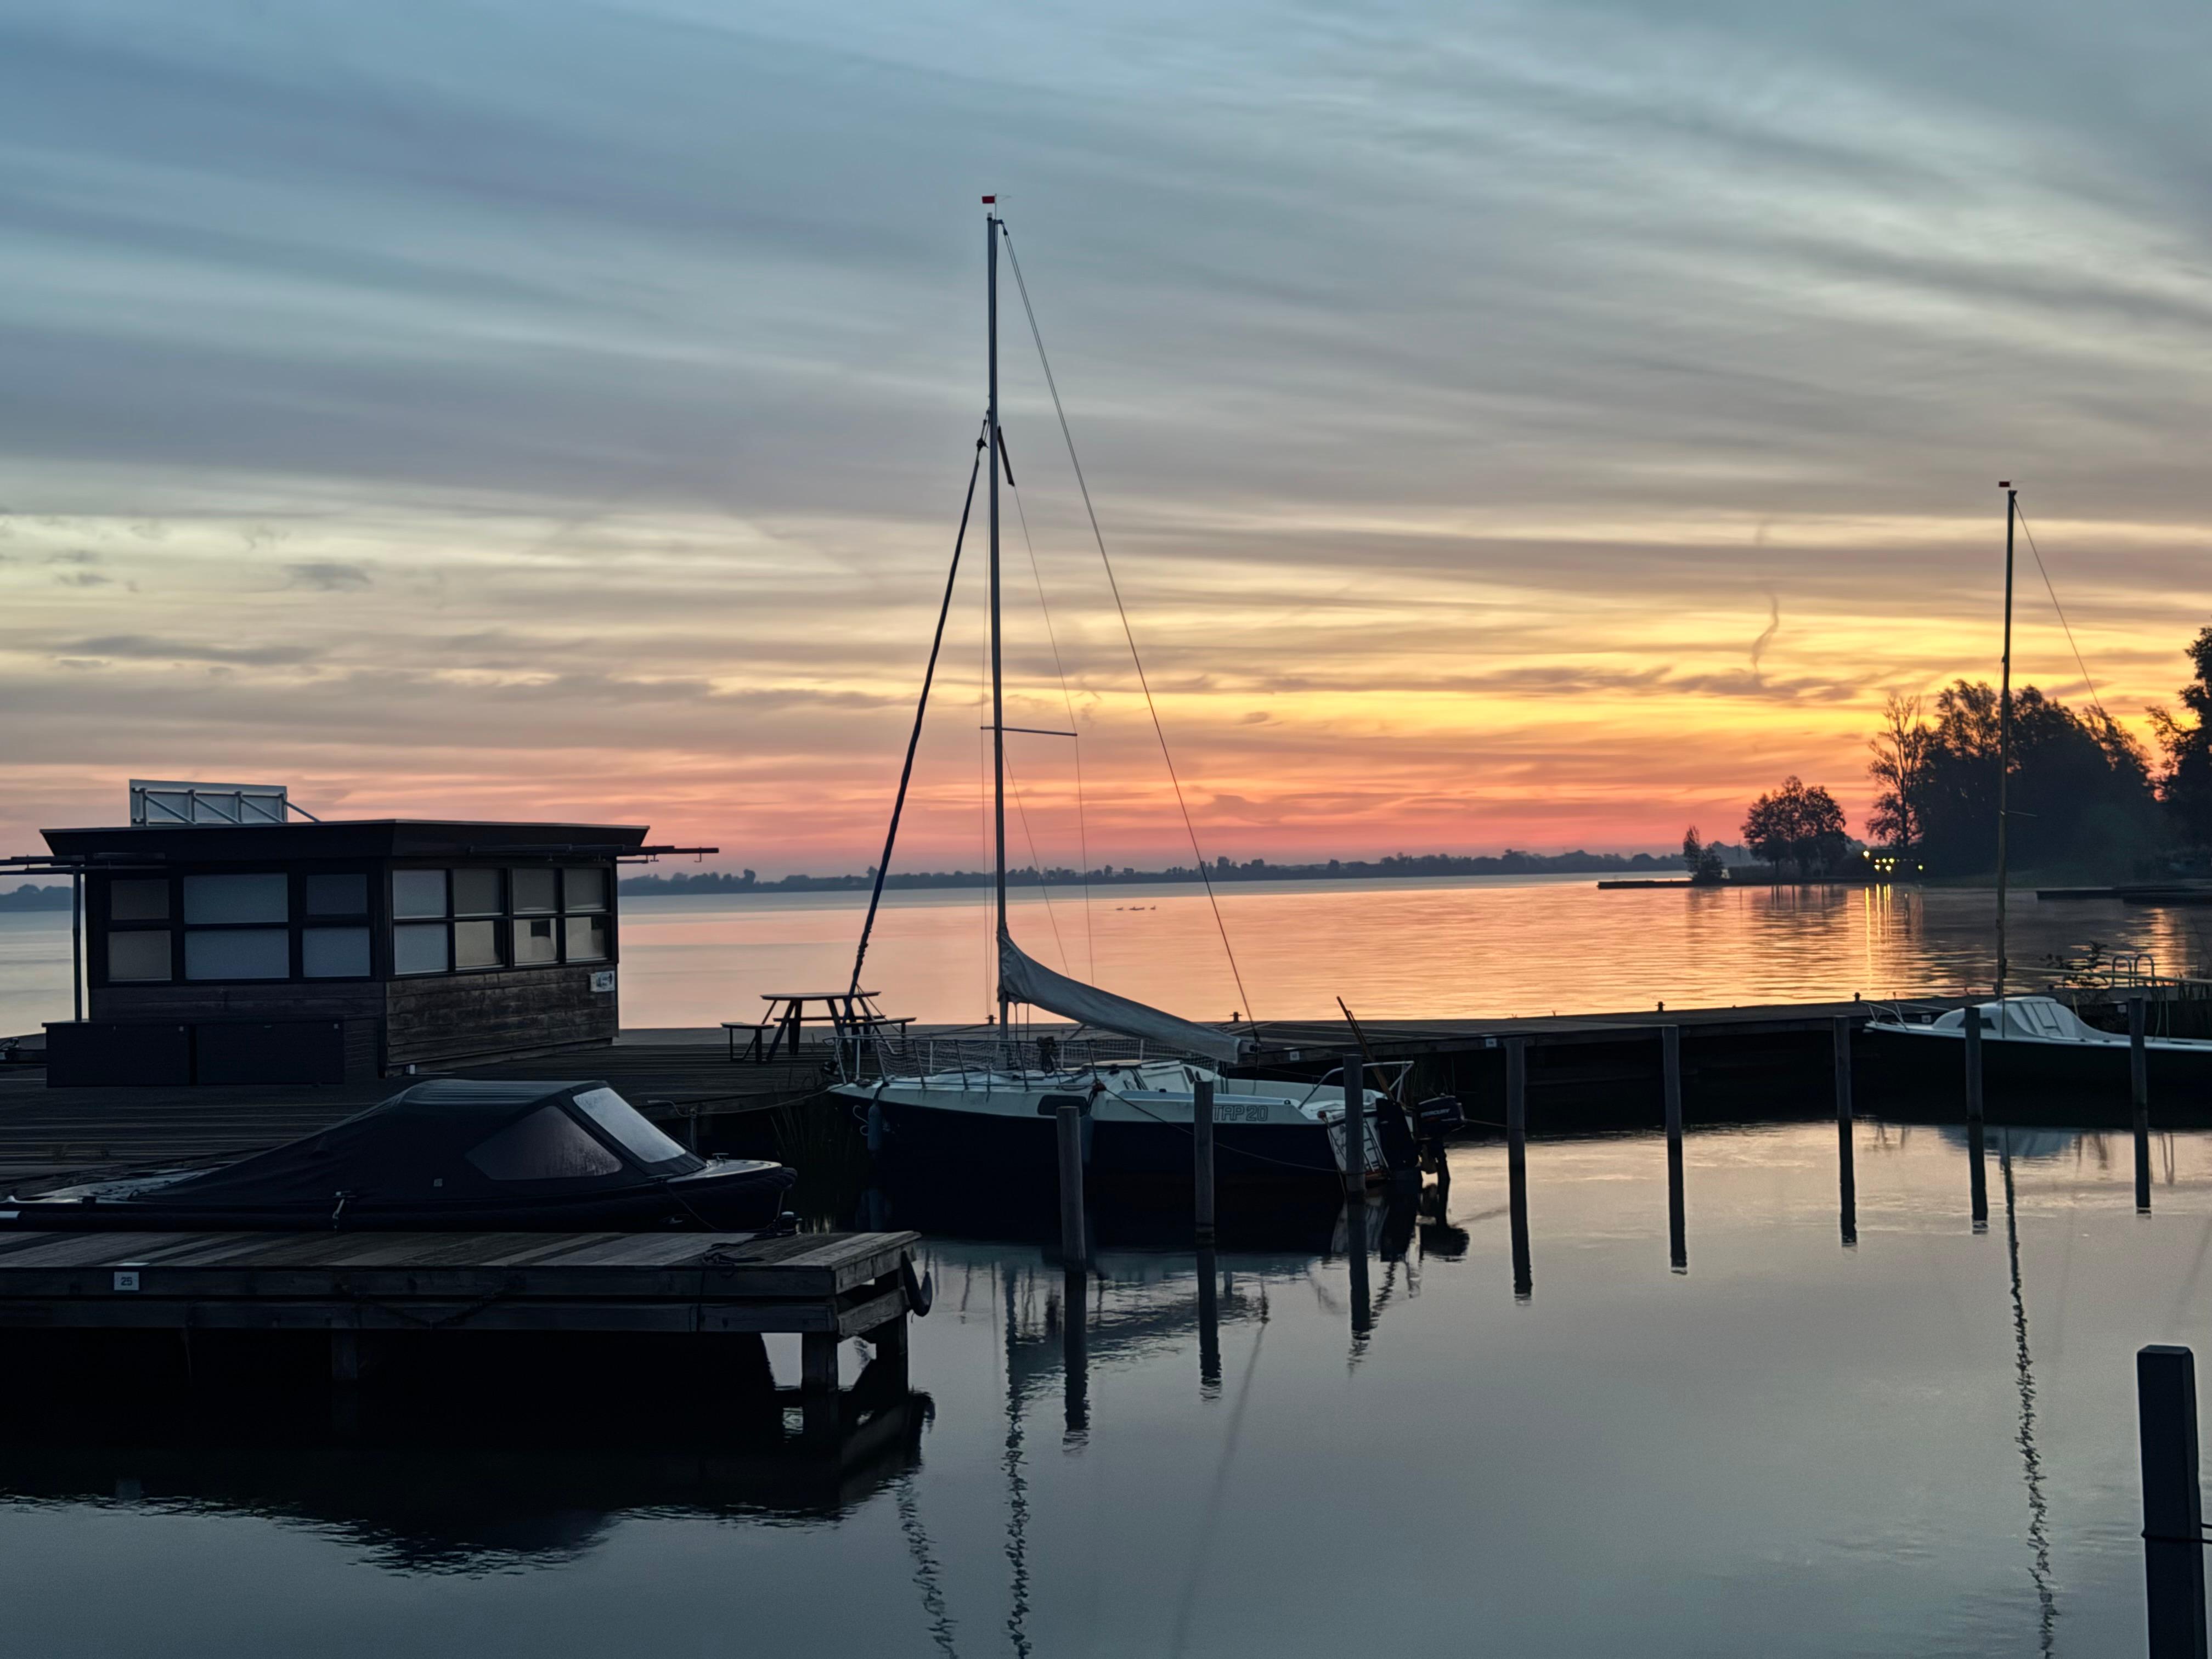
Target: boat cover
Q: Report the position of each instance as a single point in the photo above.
(449, 1142)
(1022, 978)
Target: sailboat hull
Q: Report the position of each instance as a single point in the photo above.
(983, 1137)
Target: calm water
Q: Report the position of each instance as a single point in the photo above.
(1391, 950)
(1923, 1444)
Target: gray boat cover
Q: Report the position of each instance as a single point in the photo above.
(1022, 978)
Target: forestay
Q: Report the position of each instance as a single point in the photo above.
(1022, 978)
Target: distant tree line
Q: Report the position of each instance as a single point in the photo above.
(2083, 795)
(1508, 863)
(28, 897)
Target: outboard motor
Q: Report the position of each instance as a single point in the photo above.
(1438, 1116)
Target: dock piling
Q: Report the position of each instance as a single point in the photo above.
(2139, 1093)
(1068, 1121)
(1973, 1028)
(1516, 1160)
(1355, 1124)
(1201, 1147)
(2172, 1501)
(1847, 1182)
(1678, 1247)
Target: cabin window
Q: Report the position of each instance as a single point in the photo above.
(419, 948)
(547, 1146)
(233, 899)
(334, 953)
(476, 893)
(587, 888)
(140, 957)
(418, 892)
(475, 945)
(535, 941)
(237, 952)
(138, 901)
(534, 890)
(587, 938)
(342, 895)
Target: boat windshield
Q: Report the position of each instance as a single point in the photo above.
(622, 1120)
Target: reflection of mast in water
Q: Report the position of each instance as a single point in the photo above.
(928, 1576)
(2038, 1512)
(1209, 1522)
(1018, 1494)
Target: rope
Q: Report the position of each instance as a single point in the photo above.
(1123, 611)
(921, 709)
(2061, 610)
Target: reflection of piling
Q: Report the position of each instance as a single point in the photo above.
(2139, 1093)
(2172, 1501)
(1069, 1114)
(1201, 1153)
(1355, 1253)
(1075, 1348)
(1847, 1182)
(1971, 1022)
(1209, 1320)
(1976, 1177)
(1517, 1157)
(1678, 1247)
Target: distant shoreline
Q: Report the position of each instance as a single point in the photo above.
(717, 884)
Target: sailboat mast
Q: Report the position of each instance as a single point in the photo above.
(998, 686)
(2004, 733)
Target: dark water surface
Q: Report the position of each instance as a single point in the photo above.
(1921, 1443)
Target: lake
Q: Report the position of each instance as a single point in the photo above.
(1921, 1444)
(1391, 950)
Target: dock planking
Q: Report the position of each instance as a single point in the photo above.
(821, 1284)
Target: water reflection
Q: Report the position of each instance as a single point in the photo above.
(1852, 1453)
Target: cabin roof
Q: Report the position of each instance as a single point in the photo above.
(347, 838)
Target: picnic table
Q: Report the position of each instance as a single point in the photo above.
(847, 1013)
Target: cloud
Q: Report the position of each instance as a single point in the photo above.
(139, 647)
(327, 576)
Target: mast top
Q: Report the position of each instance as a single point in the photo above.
(2003, 483)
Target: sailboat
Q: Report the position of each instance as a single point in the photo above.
(2036, 1040)
(972, 1108)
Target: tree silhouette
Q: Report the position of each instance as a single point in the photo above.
(1797, 825)
(2186, 788)
(1703, 863)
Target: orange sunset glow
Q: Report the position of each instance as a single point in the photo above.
(1528, 470)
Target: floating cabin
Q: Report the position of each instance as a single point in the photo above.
(332, 952)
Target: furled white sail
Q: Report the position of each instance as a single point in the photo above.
(1022, 978)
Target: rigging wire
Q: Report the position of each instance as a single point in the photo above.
(1082, 831)
(2047, 587)
(1036, 863)
(1127, 632)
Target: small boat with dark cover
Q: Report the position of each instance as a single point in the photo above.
(444, 1154)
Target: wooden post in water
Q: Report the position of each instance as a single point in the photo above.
(1201, 1152)
(2172, 1501)
(1355, 1125)
(1972, 1024)
(1517, 1159)
(1847, 1181)
(2139, 1092)
(1670, 1049)
(1068, 1121)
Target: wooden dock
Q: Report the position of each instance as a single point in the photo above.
(823, 1287)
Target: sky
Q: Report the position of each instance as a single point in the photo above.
(1533, 425)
